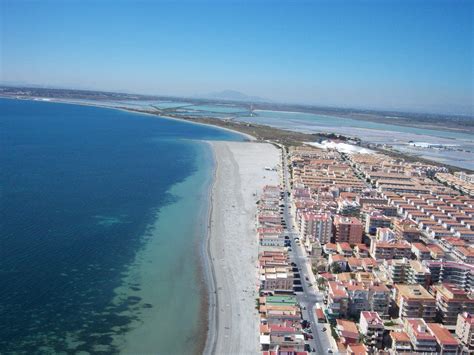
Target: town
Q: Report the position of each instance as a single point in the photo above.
(365, 254)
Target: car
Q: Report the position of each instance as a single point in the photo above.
(329, 351)
(324, 329)
(306, 278)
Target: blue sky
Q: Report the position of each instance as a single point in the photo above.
(407, 55)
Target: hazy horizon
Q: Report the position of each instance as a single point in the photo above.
(408, 56)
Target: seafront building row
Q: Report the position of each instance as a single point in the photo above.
(391, 244)
(282, 329)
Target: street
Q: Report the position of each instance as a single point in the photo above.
(310, 295)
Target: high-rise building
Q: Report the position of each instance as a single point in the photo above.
(348, 229)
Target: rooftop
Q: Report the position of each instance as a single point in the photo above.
(442, 335)
(400, 337)
(371, 317)
(413, 292)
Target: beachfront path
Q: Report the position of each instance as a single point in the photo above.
(233, 245)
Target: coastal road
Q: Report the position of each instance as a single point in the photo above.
(310, 295)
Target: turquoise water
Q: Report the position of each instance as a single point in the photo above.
(219, 108)
(101, 217)
(170, 104)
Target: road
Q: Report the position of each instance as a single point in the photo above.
(310, 295)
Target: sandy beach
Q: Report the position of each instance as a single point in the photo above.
(233, 246)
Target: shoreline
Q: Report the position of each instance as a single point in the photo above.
(210, 294)
(264, 133)
(136, 111)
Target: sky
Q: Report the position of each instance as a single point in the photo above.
(382, 54)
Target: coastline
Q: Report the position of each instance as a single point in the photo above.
(136, 111)
(232, 246)
(209, 335)
(210, 301)
(267, 133)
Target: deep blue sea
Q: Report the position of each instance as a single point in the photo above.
(84, 191)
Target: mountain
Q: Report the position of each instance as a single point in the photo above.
(233, 95)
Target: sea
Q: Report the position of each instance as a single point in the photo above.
(103, 214)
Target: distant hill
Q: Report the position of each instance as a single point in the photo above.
(233, 95)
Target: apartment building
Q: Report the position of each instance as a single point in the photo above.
(348, 229)
(401, 342)
(446, 343)
(344, 249)
(358, 297)
(389, 250)
(374, 220)
(465, 254)
(414, 301)
(396, 270)
(348, 297)
(406, 230)
(418, 274)
(404, 271)
(316, 226)
(421, 338)
(275, 271)
(276, 279)
(385, 235)
(338, 301)
(346, 207)
(455, 273)
(379, 299)
(421, 251)
(451, 301)
(465, 332)
(347, 331)
(372, 328)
